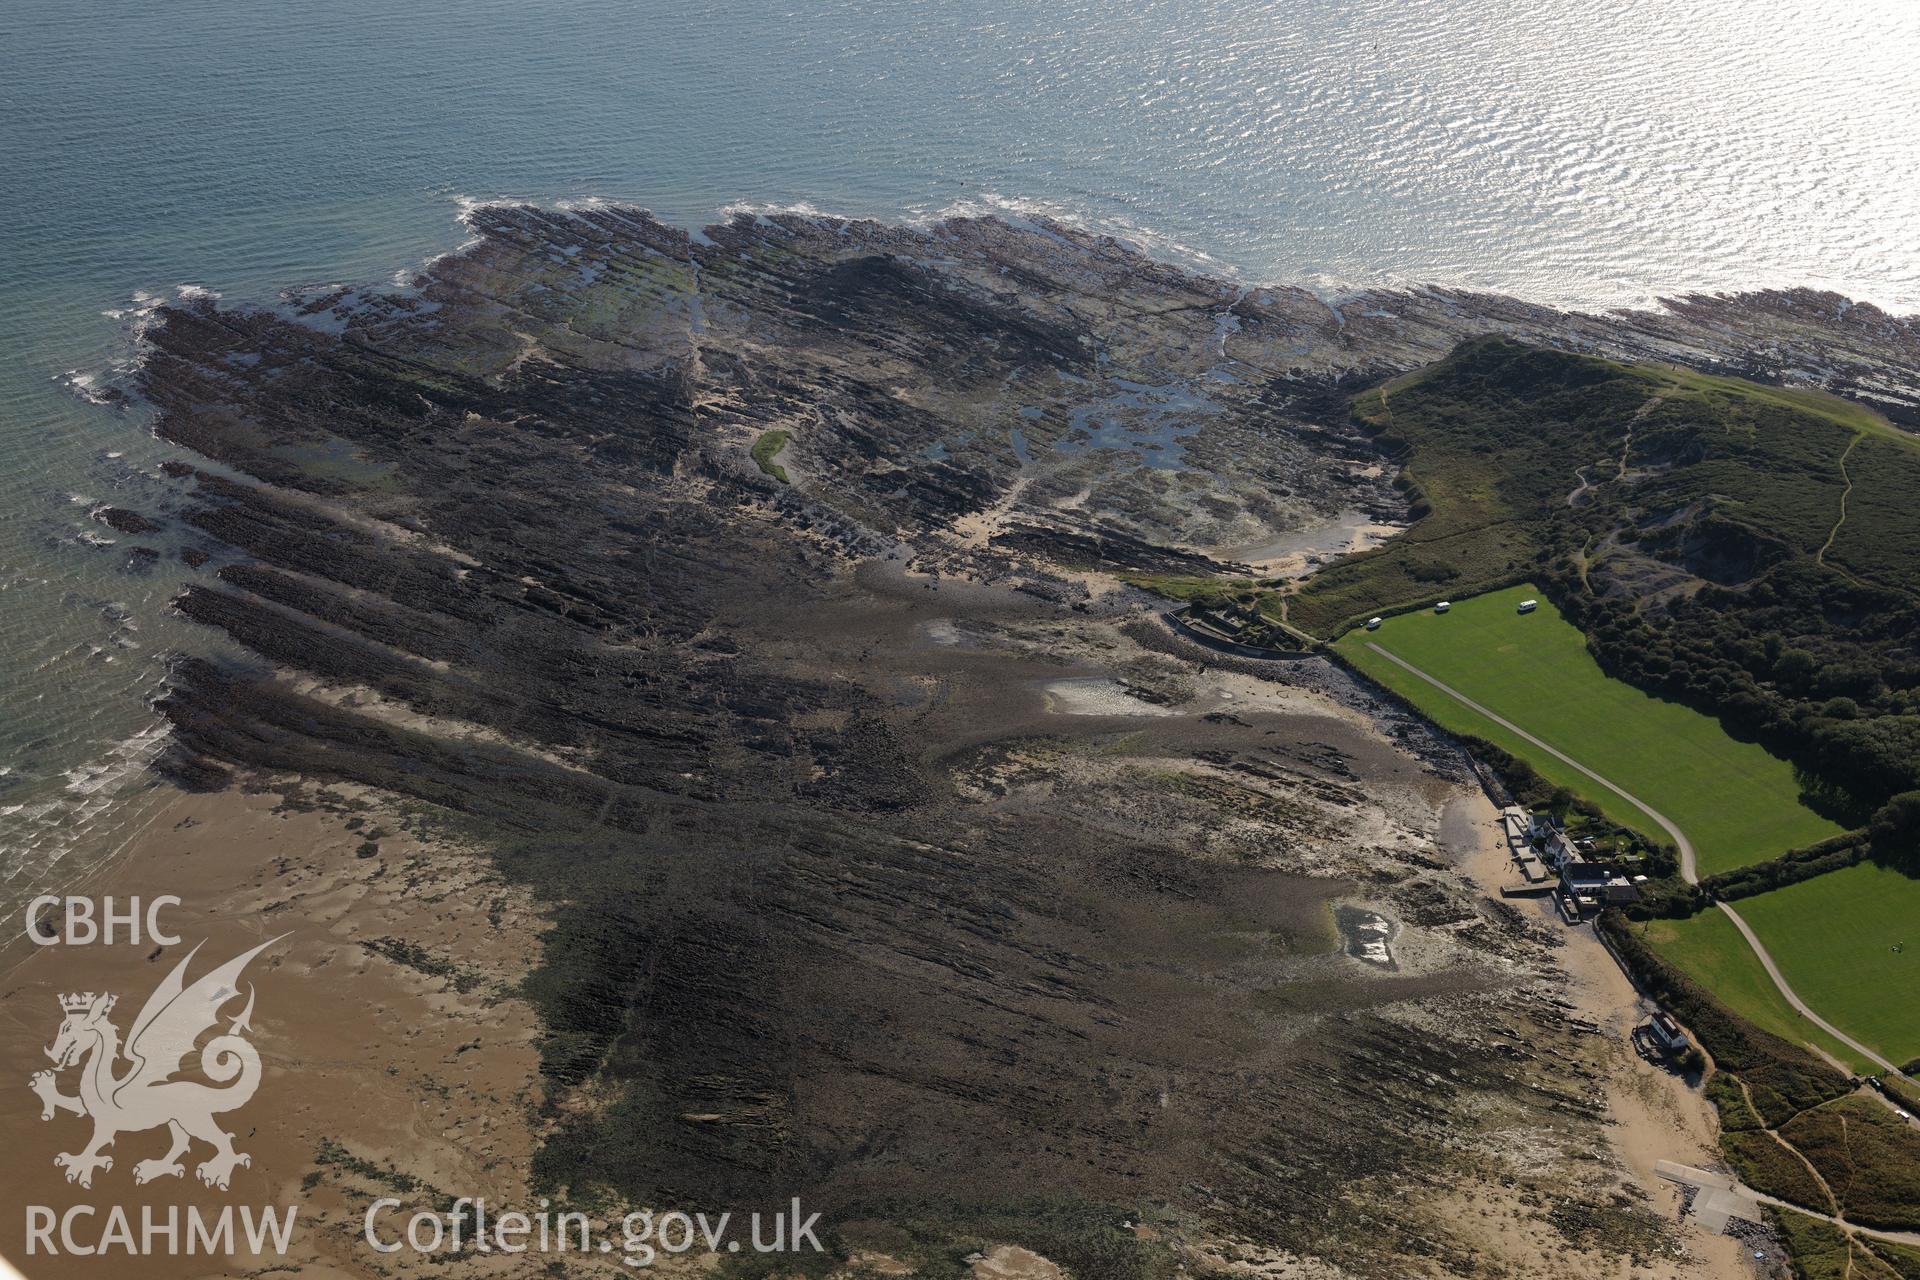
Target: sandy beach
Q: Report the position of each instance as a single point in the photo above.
(1655, 1115)
(391, 1041)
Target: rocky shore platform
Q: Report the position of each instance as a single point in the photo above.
(749, 601)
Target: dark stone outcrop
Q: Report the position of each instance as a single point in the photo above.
(810, 932)
(124, 520)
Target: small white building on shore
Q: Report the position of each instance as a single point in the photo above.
(1519, 826)
(1592, 886)
(1667, 1033)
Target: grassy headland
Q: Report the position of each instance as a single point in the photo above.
(1751, 551)
(1513, 454)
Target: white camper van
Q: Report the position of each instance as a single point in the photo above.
(1528, 606)
(1443, 606)
(1373, 624)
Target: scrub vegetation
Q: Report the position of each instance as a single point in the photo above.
(1822, 1251)
(1758, 1158)
(1868, 1155)
(766, 448)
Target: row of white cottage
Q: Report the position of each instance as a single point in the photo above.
(1585, 887)
(1537, 841)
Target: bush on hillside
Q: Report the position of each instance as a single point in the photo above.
(1896, 830)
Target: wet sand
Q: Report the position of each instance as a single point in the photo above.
(1294, 553)
(426, 1065)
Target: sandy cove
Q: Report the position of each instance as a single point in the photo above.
(1655, 1115)
(430, 1069)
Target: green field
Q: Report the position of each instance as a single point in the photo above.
(1711, 951)
(1736, 803)
(1834, 936)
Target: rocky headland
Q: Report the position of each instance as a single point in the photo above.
(747, 598)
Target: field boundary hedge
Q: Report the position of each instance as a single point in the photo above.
(1835, 853)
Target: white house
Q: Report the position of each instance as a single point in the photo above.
(1667, 1033)
(1591, 886)
(1558, 850)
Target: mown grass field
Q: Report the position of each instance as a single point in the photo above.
(1737, 803)
(1834, 937)
(1711, 951)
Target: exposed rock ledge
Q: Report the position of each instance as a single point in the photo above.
(842, 908)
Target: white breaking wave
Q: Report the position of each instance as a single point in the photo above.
(86, 815)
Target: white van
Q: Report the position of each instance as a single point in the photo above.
(1443, 606)
(1373, 624)
(1528, 606)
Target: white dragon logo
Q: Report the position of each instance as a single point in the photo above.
(147, 1096)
